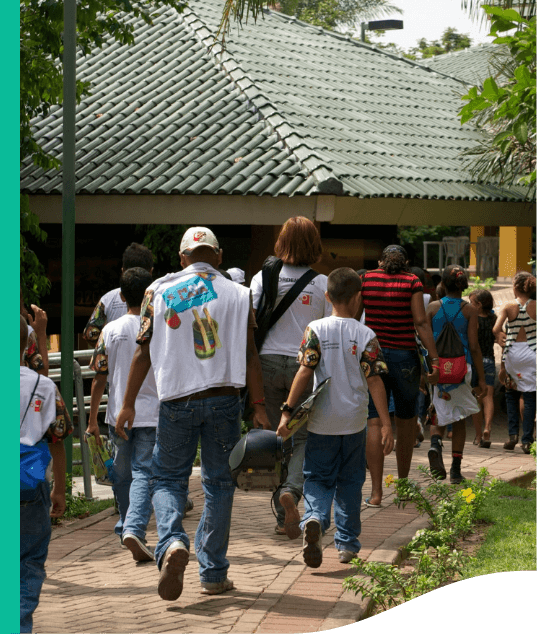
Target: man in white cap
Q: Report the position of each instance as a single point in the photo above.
(197, 331)
(237, 275)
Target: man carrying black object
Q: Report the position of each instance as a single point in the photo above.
(197, 331)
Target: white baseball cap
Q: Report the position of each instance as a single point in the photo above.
(237, 275)
(198, 237)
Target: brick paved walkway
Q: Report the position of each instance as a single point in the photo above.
(95, 586)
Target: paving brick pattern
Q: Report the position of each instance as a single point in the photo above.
(94, 586)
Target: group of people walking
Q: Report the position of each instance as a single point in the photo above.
(176, 353)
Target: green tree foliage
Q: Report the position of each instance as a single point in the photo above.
(329, 14)
(450, 41)
(506, 113)
(34, 283)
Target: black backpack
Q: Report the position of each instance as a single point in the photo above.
(451, 352)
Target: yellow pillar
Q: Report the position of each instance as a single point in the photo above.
(515, 250)
(475, 233)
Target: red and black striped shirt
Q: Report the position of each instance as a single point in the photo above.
(387, 307)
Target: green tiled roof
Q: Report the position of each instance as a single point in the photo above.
(470, 64)
(289, 109)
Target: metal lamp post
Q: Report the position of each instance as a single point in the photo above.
(380, 25)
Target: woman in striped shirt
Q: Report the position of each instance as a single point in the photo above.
(392, 298)
(518, 359)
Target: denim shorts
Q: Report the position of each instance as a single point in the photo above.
(489, 365)
(402, 381)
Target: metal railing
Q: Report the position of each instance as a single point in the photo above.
(81, 405)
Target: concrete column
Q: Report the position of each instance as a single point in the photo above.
(475, 233)
(515, 250)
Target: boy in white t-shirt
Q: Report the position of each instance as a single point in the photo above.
(348, 352)
(43, 416)
(133, 448)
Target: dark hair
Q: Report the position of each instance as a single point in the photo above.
(440, 290)
(485, 298)
(24, 334)
(394, 260)
(342, 285)
(419, 273)
(133, 284)
(524, 282)
(454, 278)
(299, 242)
(361, 272)
(411, 253)
(136, 255)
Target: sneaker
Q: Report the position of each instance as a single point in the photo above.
(189, 505)
(312, 548)
(346, 556)
(208, 587)
(138, 548)
(511, 443)
(455, 475)
(436, 463)
(174, 562)
(292, 516)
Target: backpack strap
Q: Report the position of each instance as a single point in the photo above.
(463, 304)
(31, 397)
(291, 295)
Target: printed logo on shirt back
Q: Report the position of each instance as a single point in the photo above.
(195, 291)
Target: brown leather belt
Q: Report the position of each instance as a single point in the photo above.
(227, 390)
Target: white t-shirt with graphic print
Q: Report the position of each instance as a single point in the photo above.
(196, 321)
(284, 337)
(114, 306)
(113, 356)
(344, 350)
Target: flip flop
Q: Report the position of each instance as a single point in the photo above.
(372, 506)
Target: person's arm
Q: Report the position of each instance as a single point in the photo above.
(300, 383)
(473, 343)
(39, 324)
(98, 363)
(57, 496)
(499, 335)
(254, 381)
(425, 332)
(141, 363)
(378, 393)
(60, 428)
(96, 323)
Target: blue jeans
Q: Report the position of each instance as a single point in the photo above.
(403, 381)
(35, 532)
(132, 472)
(278, 374)
(334, 469)
(217, 421)
(512, 398)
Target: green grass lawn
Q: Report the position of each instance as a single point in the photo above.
(510, 541)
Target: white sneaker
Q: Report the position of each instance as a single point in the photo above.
(172, 571)
(312, 544)
(346, 556)
(139, 550)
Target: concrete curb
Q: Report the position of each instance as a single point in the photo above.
(77, 525)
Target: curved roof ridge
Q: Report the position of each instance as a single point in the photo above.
(327, 182)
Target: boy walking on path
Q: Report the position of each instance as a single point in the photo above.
(43, 416)
(133, 448)
(334, 465)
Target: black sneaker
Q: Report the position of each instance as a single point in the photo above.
(436, 464)
(189, 505)
(312, 549)
(455, 475)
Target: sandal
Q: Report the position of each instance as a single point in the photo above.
(485, 441)
(477, 442)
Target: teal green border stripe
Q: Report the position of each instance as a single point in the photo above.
(11, 227)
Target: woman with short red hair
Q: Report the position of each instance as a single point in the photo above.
(298, 246)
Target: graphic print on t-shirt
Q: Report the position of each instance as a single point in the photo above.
(186, 295)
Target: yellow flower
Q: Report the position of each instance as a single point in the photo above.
(466, 492)
(388, 481)
(470, 498)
